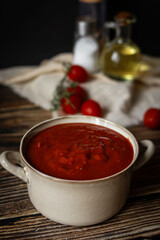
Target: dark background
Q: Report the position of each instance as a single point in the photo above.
(31, 32)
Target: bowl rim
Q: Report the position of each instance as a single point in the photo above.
(94, 119)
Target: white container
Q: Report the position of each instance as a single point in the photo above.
(86, 53)
(86, 50)
(74, 202)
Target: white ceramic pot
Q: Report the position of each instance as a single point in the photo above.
(74, 202)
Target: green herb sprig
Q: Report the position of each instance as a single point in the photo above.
(61, 90)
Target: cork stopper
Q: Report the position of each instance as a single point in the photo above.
(91, 1)
(124, 18)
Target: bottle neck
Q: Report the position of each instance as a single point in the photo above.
(95, 9)
(124, 32)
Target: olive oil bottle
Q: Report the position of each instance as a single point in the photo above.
(120, 58)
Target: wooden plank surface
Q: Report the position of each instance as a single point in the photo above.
(139, 219)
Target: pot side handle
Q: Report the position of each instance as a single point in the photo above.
(146, 155)
(11, 161)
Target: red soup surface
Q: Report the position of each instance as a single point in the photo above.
(79, 151)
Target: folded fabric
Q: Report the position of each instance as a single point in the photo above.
(122, 102)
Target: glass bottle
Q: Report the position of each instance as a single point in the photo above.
(120, 58)
(86, 46)
(95, 9)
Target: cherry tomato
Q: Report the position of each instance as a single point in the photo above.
(77, 74)
(92, 108)
(151, 118)
(71, 105)
(78, 91)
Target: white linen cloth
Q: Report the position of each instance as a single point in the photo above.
(122, 102)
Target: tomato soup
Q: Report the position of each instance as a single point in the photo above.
(79, 151)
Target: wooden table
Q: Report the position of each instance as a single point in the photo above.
(139, 218)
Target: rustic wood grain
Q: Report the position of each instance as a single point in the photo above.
(139, 218)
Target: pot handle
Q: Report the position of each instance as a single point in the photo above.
(146, 155)
(11, 161)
